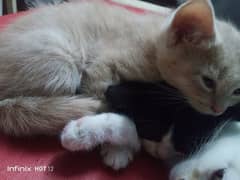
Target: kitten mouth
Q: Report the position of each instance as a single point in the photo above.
(217, 110)
(218, 113)
(205, 109)
(209, 111)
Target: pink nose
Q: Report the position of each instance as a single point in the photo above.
(216, 109)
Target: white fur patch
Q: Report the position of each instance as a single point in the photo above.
(117, 134)
(116, 157)
(90, 131)
(220, 153)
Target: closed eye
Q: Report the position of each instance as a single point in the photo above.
(208, 82)
(236, 92)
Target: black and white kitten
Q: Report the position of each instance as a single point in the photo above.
(141, 101)
(191, 131)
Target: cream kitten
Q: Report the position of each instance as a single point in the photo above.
(47, 55)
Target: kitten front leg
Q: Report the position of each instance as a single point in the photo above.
(115, 132)
(97, 78)
(163, 149)
(113, 67)
(218, 159)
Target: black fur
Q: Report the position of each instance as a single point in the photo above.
(154, 114)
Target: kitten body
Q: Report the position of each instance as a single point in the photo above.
(51, 53)
(48, 54)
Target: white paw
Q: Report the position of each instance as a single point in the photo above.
(90, 131)
(116, 157)
(78, 136)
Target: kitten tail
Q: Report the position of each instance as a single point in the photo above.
(24, 116)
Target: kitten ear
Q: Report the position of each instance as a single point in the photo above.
(193, 23)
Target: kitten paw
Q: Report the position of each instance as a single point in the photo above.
(90, 131)
(116, 157)
(77, 136)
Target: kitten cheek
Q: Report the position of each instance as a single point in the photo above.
(200, 107)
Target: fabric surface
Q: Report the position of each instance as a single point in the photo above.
(43, 158)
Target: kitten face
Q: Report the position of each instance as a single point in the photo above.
(203, 59)
(209, 79)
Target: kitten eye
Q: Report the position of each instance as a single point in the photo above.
(236, 92)
(218, 175)
(208, 82)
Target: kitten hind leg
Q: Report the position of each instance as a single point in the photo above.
(38, 96)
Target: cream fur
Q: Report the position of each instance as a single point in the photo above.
(47, 55)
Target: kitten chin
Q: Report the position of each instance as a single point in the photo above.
(205, 109)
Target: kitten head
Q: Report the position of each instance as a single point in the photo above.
(201, 57)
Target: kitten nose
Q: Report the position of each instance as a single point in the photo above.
(217, 109)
